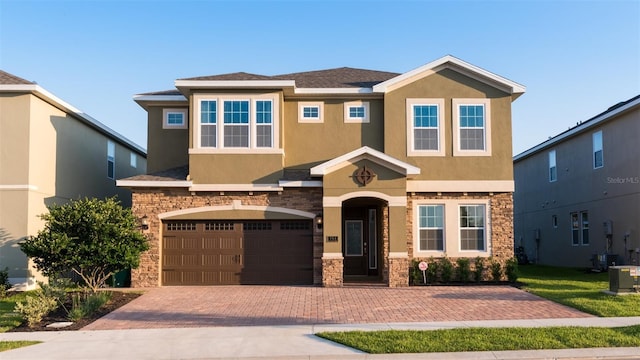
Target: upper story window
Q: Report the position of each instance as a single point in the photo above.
(111, 159)
(553, 170)
(235, 125)
(133, 160)
(472, 127)
(174, 118)
(598, 156)
(356, 112)
(310, 112)
(425, 127)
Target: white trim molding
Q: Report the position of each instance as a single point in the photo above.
(332, 256)
(368, 153)
(336, 201)
(221, 84)
(235, 187)
(19, 187)
(455, 110)
(181, 111)
(319, 91)
(237, 205)
(398, 255)
(300, 183)
(411, 150)
(460, 185)
(311, 104)
(151, 183)
(356, 120)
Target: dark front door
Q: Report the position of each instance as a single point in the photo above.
(360, 245)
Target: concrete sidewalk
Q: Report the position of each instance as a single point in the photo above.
(281, 342)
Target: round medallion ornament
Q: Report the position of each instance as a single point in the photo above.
(364, 175)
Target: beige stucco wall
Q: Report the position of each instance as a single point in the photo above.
(168, 147)
(235, 168)
(449, 85)
(48, 157)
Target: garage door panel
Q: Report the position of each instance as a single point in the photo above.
(237, 252)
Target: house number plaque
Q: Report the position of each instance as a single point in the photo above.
(332, 239)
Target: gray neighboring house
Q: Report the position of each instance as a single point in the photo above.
(50, 153)
(577, 195)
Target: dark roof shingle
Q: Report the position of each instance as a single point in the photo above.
(175, 174)
(10, 79)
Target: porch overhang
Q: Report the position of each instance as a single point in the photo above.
(365, 153)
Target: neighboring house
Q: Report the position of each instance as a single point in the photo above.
(577, 198)
(51, 153)
(325, 177)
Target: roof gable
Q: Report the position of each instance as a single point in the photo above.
(10, 79)
(367, 153)
(453, 63)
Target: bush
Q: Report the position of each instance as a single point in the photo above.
(464, 269)
(416, 273)
(432, 271)
(36, 307)
(86, 305)
(496, 270)
(511, 270)
(479, 269)
(447, 270)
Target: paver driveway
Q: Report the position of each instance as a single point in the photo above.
(296, 305)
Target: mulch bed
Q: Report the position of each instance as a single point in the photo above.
(118, 299)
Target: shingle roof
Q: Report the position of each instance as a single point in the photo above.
(9, 79)
(175, 174)
(164, 92)
(343, 77)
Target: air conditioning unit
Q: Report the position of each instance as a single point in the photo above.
(624, 279)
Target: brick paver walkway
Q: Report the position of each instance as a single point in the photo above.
(291, 305)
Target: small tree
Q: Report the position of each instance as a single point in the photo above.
(91, 237)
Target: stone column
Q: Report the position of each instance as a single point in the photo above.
(398, 256)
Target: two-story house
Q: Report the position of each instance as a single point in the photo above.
(325, 177)
(577, 198)
(50, 153)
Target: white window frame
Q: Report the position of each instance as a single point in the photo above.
(411, 151)
(444, 235)
(484, 228)
(598, 146)
(165, 118)
(220, 99)
(308, 104)
(553, 168)
(111, 159)
(133, 160)
(250, 123)
(452, 228)
(356, 120)
(456, 103)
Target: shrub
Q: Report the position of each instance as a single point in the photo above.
(87, 304)
(36, 307)
(464, 269)
(496, 270)
(432, 271)
(4, 278)
(479, 269)
(446, 269)
(416, 274)
(511, 270)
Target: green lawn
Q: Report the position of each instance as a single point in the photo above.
(9, 345)
(576, 288)
(8, 318)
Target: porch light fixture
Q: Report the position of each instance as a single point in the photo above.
(319, 221)
(144, 223)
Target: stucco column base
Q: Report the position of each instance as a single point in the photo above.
(332, 270)
(398, 270)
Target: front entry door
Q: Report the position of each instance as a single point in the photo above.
(360, 241)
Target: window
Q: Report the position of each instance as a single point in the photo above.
(451, 227)
(208, 121)
(580, 228)
(553, 171)
(425, 130)
(356, 112)
(472, 127)
(174, 118)
(236, 123)
(111, 159)
(431, 227)
(472, 227)
(598, 158)
(264, 121)
(133, 160)
(585, 227)
(231, 125)
(310, 112)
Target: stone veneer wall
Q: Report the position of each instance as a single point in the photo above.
(501, 217)
(153, 202)
(399, 272)
(332, 272)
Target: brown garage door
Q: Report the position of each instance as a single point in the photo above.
(237, 252)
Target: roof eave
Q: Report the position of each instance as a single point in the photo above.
(378, 157)
(183, 85)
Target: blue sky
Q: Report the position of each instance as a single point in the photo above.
(576, 58)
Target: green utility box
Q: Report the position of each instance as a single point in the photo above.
(624, 278)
